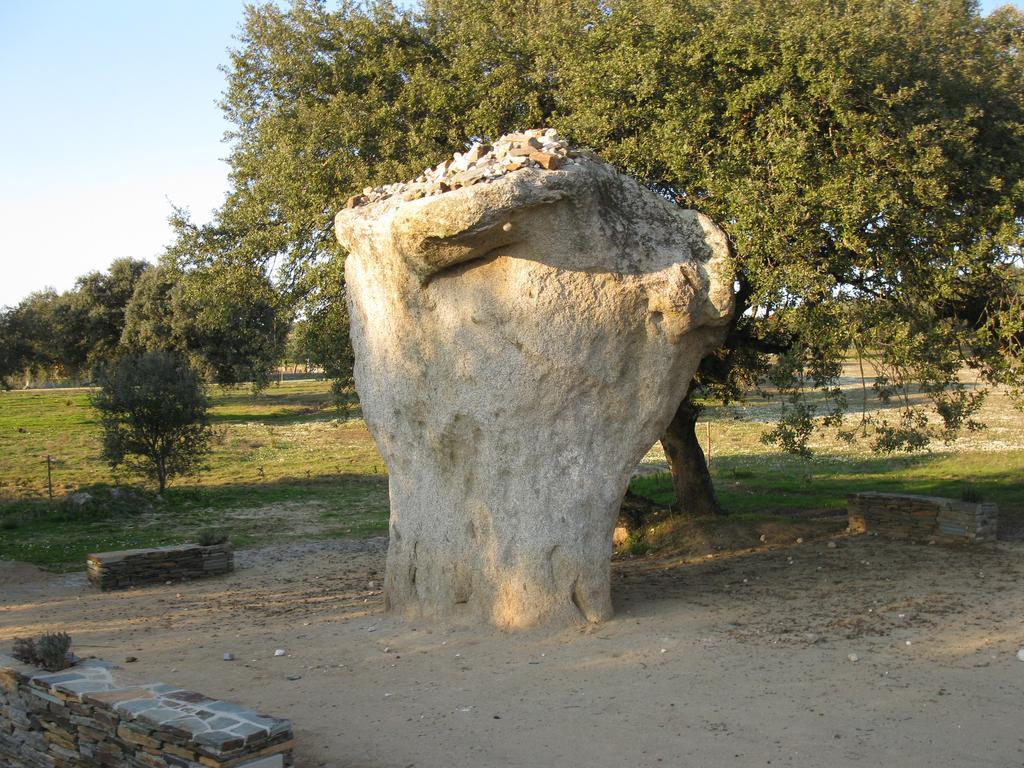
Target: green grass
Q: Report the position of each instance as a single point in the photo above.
(290, 430)
(61, 536)
(781, 484)
(752, 478)
(285, 465)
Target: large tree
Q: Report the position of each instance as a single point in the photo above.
(324, 103)
(866, 159)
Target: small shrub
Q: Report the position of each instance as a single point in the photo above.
(636, 545)
(24, 650)
(50, 652)
(211, 538)
(971, 495)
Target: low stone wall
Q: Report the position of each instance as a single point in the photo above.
(130, 567)
(900, 515)
(96, 714)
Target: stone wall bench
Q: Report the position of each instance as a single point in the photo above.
(903, 515)
(131, 567)
(96, 714)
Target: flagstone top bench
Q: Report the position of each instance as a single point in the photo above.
(132, 567)
(95, 713)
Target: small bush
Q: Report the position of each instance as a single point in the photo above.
(636, 545)
(53, 650)
(211, 538)
(102, 500)
(24, 650)
(971, 495)
(50, 652)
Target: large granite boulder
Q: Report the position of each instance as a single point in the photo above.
(525, 322)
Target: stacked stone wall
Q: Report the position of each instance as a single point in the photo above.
(94, 714)
(907, 516)
(132, 567)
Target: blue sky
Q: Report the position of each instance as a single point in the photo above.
(109, 116)
(110, 112)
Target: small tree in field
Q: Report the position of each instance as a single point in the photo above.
(153, 408)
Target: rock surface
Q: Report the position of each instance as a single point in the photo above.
(520, 343)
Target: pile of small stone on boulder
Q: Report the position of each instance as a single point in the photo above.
(538, 148)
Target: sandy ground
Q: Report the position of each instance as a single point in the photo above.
(743, 660)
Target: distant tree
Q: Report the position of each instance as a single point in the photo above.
(231, 323)
(154, 413)
(30, 341)
(91, 316)
(68, 334)
(148, 317)
(226, 319)
(320, 337)
(11, 348)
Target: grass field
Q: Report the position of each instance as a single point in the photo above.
(287, 465)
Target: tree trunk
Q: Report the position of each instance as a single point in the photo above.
(695, 491)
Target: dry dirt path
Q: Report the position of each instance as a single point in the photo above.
(743, 660)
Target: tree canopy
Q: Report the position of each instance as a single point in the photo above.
(68, 334)
(866, 159)
(27, 344)
(91, 315)
(227, 320)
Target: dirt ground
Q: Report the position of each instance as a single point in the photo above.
(871, 653)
